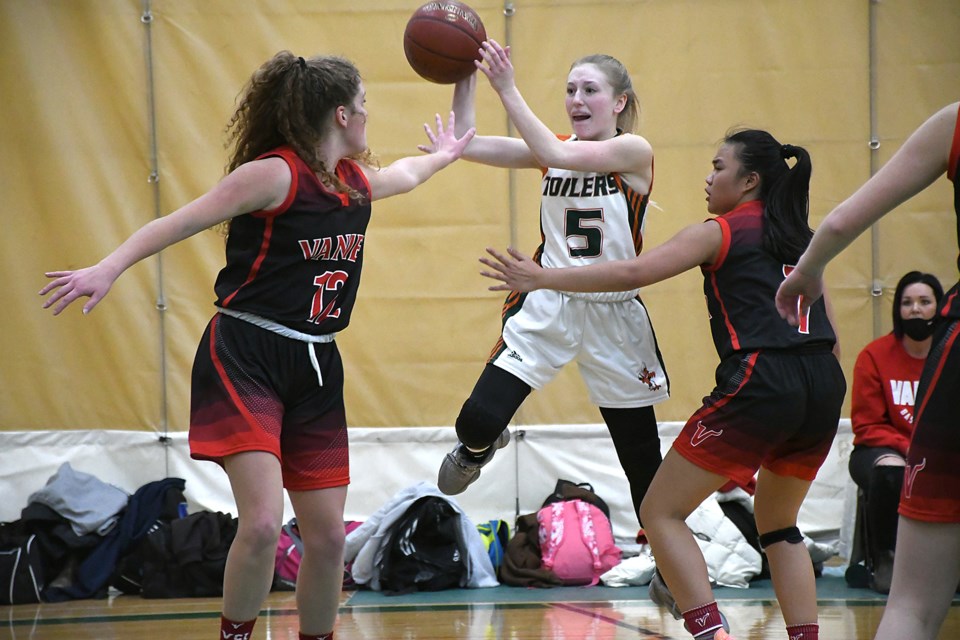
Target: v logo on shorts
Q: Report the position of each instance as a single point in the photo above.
(910, 475)
(702, 433)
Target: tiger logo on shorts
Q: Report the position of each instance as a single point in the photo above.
(646, 376)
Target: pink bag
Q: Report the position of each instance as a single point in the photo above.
(290, 551)
(287, 561)
(576, 542)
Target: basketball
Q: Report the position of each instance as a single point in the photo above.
(442, 39)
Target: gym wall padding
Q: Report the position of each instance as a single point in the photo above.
(76, 161)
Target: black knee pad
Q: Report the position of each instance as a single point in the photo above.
(478, 427)
(790, 534)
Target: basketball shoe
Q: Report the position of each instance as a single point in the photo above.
(661, 595)
(458, 471)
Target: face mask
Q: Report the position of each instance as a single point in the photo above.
(918, 328)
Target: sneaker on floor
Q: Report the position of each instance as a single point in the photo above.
(457, 471)
(661, 595)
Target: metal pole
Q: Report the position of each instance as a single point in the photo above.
(146, 17)
(508, 12)
(876, 285)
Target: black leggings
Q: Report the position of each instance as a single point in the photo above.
(881, 491)
(498, 394)
(637, 441)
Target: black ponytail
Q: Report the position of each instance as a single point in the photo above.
(784, 190)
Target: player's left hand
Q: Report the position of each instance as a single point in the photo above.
(516, 271)
(445, 140)
(496, 65)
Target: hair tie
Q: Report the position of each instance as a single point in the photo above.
(303, 63)
(787, 151)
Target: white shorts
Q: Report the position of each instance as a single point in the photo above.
(612, 342)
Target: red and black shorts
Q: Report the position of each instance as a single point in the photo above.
(931, 481)
(776, 409)
(255, 390)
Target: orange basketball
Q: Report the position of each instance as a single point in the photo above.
(442, 39)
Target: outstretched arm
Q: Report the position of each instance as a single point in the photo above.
(496, 151)
(691, 247)
(921, 160)
(256, 185)
(405, 174)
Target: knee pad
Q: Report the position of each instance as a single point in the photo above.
(478, 427)
(790, 534)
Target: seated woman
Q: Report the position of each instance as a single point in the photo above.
(885, 380)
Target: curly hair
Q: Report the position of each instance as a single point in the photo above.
(287, 101)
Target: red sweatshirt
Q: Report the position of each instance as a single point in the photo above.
(885, 380)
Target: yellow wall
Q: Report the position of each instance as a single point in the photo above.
(75, 158)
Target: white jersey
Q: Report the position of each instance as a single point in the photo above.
(588, 217)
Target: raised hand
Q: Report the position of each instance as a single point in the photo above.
(516, 271)
(496, 65)
(445, 141)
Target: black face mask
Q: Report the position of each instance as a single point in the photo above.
(918, 328)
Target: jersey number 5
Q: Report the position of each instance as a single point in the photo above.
(583, 240)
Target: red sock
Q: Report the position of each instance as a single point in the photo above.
(322, 636)
(703, 620)
(804, 632)
(230, 630)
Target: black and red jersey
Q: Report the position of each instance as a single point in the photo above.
(950, 305)
(740, 287)
(299, 264)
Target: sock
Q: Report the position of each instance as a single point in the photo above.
(475, 456)
(804, 632)
(322, 636)
(230, 630)
(703, 621)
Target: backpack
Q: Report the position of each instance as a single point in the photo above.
(576, 542)
(186, 558)
(567, 490)
(290, 552)
(22, 572)
(495, 535)
(425, 550)
(287, 561)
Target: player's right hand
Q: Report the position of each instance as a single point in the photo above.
(92, 282)
(515, 270)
